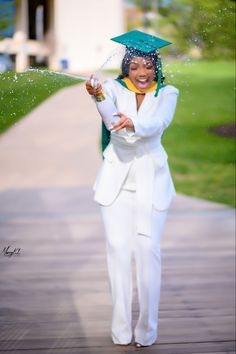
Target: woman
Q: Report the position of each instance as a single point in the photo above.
(134, 186)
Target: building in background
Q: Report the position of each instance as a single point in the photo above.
(71, 35)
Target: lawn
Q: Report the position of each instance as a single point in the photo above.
(201, 162)
(21, 92)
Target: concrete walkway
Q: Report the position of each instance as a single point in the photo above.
(54, 146)
(54, 293)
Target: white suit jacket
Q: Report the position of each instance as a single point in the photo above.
(154, 183)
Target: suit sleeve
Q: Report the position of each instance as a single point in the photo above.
(159, 120)
(106, 109)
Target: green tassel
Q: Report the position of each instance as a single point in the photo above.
(159, 67)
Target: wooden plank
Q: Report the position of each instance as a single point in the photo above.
(102, 345)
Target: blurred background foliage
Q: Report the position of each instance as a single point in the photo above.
(6, 20)
(204, 27)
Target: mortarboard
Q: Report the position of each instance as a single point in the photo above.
(137, 41)
(141, 41)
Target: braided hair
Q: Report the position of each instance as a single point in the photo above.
(130, 53)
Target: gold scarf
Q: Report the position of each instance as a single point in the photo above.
(133, 88)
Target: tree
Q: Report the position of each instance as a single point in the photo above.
(6, 19)
(206, 25)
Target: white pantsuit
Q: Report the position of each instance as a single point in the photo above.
(134, 188)
(122, 241)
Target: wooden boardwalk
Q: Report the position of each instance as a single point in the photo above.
(55, 294)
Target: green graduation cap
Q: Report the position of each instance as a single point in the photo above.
(137, 41)
(141, 41)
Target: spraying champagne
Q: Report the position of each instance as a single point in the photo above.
(105, 106)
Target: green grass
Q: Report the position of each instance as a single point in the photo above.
(202, 163)
(20, 93)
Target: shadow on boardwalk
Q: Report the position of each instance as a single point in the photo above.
(55, 294)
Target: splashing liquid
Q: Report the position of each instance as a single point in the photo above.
(51, 72)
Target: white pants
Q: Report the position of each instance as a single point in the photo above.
(122, 240)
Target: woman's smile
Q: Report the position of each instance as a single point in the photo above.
(143, 84)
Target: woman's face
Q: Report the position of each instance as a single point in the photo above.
(141, 72)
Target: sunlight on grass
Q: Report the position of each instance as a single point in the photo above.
(202, 162)
(21, 92)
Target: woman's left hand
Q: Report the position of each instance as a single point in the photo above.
(124, 122)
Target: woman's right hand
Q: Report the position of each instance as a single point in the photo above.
(93, 91)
